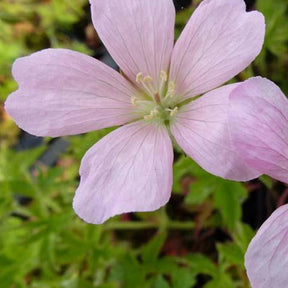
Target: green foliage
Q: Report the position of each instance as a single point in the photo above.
(274, 56)
(151, 250)
(228, 197)
(276, 26)
(31, 25)
(44, 244)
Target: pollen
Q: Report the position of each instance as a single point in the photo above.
(134, 100)
(154, 102)
(148, 79)
(139, 78)
(152, 114)
(147, 85)
(171, 90)
(163, 76)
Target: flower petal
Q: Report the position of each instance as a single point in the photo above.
(138, 34)
(128, 170)
(219, 41)
(201, 129)
(259, 126)
(266, 259)
(62, 92)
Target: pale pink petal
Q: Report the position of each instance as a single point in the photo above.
(259, 126)
(219, 41)
(266, 259)
(62, 92)
(202, 131)
(128, 170)
(138, 34)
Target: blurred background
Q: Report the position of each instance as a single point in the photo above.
(198, 240)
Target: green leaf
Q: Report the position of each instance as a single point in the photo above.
(160, 282)
(267, 181)
(129, 272)
(231, 254)
(276, 37)
(151, 250)
(183, 278)
(200, 191)
(200, 264)
(243, 235)
(228, 197)
(221, 281)
(7, 276)
(186, 166)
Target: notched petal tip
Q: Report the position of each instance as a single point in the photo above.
(139, 35)
(219, 41)
(62, 92)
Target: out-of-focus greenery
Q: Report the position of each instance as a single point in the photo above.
(197, 240)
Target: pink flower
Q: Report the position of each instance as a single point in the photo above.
(63, 93)
(266, 259)
(259, 129)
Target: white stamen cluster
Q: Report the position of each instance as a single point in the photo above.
(158, 98)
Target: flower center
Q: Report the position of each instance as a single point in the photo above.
(155, 103)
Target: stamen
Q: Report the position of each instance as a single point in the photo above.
(147, 83)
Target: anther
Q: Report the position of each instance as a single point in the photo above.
(171, 85)
(154, 112)
(163, 76)
(157, 98)
(134, 100)
(171, 89)
(147, 83)
(148, 79)
(139, 77)
(148, 117)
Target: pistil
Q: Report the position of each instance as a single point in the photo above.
(173, 111)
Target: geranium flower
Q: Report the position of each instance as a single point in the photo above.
(63, 93)
(259, 129)
(266, 259)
